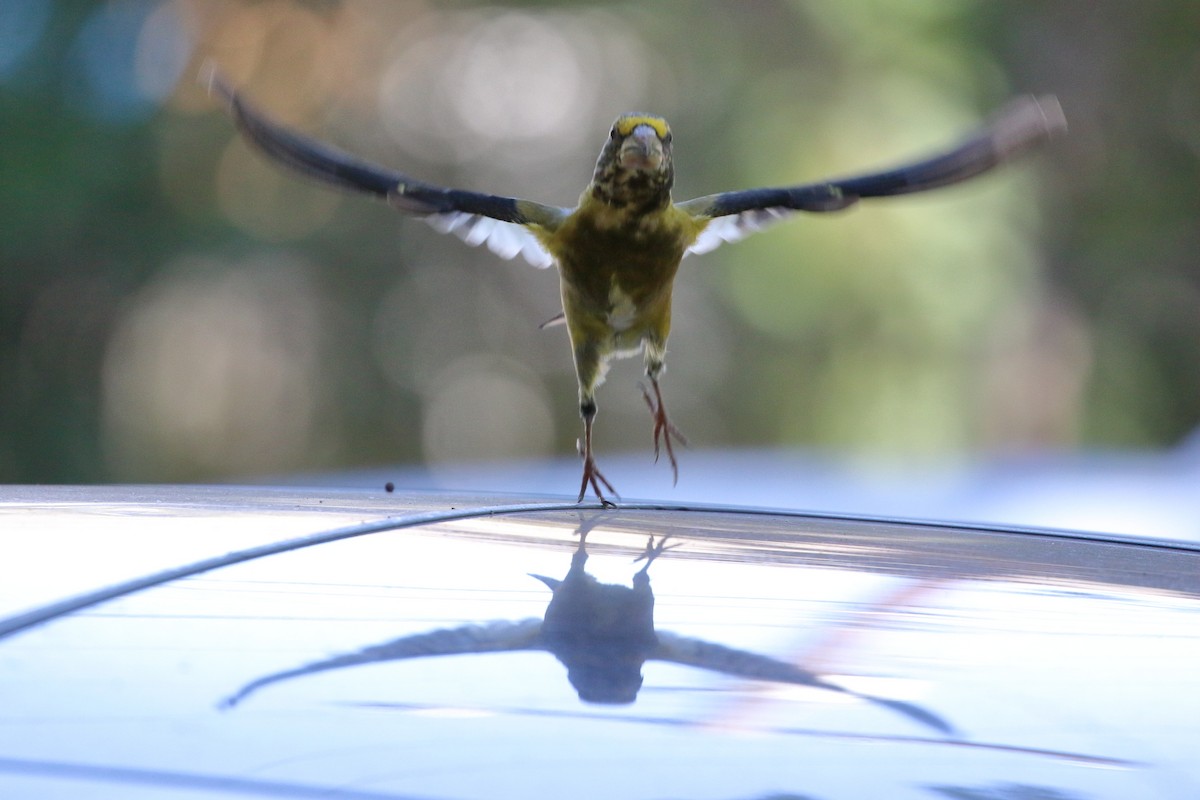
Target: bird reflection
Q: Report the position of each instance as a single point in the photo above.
(602, 633)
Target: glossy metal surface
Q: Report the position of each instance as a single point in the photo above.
(960, 663)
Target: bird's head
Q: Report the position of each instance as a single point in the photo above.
(634, 168)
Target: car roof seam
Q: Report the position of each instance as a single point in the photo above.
(46, 613)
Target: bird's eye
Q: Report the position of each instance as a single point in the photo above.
(667, 139)
(613, 133)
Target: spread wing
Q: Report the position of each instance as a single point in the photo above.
(685, 650)
(1019, 126)
(504, 224)
(494, 637)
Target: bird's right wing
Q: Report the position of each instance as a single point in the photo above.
(505, 224)
(1019, 126)
(494, 637)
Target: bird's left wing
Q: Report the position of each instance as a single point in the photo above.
(730, 216)
(505, 224)
(714, 657)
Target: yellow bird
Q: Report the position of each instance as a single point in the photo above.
(618, 250)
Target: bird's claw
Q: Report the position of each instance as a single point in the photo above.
(594, 478)
(664, 429)
(655, 549)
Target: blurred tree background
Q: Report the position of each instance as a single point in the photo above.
(173, 308)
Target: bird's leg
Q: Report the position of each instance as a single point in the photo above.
(653, 550)
(664, 429)
(591, 474)
(585, 527)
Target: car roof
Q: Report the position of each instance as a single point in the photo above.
(290, 642)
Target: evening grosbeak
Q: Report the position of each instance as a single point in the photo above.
(618, 250)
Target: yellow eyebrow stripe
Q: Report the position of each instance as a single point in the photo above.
(627, 123)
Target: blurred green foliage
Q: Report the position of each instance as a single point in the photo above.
(172, 308)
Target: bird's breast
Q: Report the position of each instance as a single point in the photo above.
(622, 308)
(616, 269)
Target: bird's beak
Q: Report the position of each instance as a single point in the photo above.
(641, 150)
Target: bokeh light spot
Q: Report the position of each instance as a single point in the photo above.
(215, 371)
(517, 77)
(128, 57)
(484, 407)
(22, 23)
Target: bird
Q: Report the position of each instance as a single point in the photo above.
(603, 633)
(619, 249)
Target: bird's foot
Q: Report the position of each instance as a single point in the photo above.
(654, 550)
(595, 479)
(664, 429)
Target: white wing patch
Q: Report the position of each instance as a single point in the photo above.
(506, 239)
(735, 227)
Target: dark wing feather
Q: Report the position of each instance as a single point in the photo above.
(714, 657)
(494, 637)
(1021, 125)
(501, 223)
